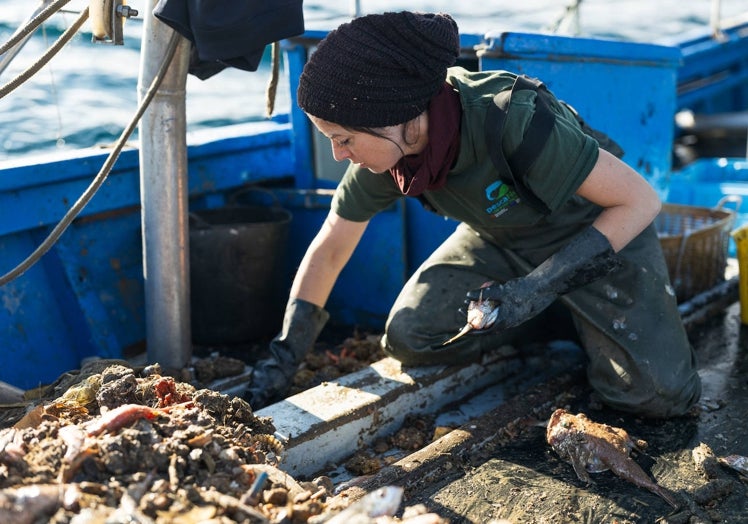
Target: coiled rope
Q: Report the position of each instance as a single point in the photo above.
(73, 212)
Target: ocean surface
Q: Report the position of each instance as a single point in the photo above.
(87, 94)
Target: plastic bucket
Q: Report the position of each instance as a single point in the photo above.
(236, 273)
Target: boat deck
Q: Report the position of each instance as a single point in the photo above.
(498, 465)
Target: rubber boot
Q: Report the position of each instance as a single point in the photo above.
(272, 377)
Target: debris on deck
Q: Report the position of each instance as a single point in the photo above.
(112, 440)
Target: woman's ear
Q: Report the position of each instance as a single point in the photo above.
(415, 128)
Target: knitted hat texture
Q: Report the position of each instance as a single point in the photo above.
(379, 70)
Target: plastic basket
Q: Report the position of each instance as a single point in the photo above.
(695, 241)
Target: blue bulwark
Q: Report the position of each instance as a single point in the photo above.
(624, 89)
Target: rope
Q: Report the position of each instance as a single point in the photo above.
(570, 15)
(33, 24)
(715, 20)
(103, 173)
(272, 88)
(46, 57)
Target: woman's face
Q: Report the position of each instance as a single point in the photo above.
(375, 153)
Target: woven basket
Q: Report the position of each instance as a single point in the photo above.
(695, 241)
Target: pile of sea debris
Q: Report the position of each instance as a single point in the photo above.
(116, 443)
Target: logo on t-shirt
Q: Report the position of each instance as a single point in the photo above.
(501, 197)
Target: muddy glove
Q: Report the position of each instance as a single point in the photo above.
(272, 377)
(585, 259)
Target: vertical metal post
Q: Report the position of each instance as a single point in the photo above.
(163, 192)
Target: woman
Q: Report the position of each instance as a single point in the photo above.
(560, 218)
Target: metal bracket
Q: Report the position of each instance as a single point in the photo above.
(107, 20)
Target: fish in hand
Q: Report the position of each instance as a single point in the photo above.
(481, 314)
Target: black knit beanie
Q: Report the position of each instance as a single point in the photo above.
(379, 70)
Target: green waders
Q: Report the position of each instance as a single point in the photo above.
(639, 357)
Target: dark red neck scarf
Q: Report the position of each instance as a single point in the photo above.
(414, 174)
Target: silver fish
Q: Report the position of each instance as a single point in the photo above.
(378, 503)
(481, 314)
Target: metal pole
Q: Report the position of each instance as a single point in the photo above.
(163, 190)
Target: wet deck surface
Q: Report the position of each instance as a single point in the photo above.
(499, 465)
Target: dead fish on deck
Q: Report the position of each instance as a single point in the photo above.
(481, 314)
(381, 502)
(592, 447)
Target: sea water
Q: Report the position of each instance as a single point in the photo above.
(87, 94)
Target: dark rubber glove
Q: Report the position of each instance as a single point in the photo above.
(585, 259)
(272, 377)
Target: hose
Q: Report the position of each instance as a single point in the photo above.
(73, 212)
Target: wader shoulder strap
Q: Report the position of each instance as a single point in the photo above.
(513, 170)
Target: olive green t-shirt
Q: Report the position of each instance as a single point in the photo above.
(474, 193)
